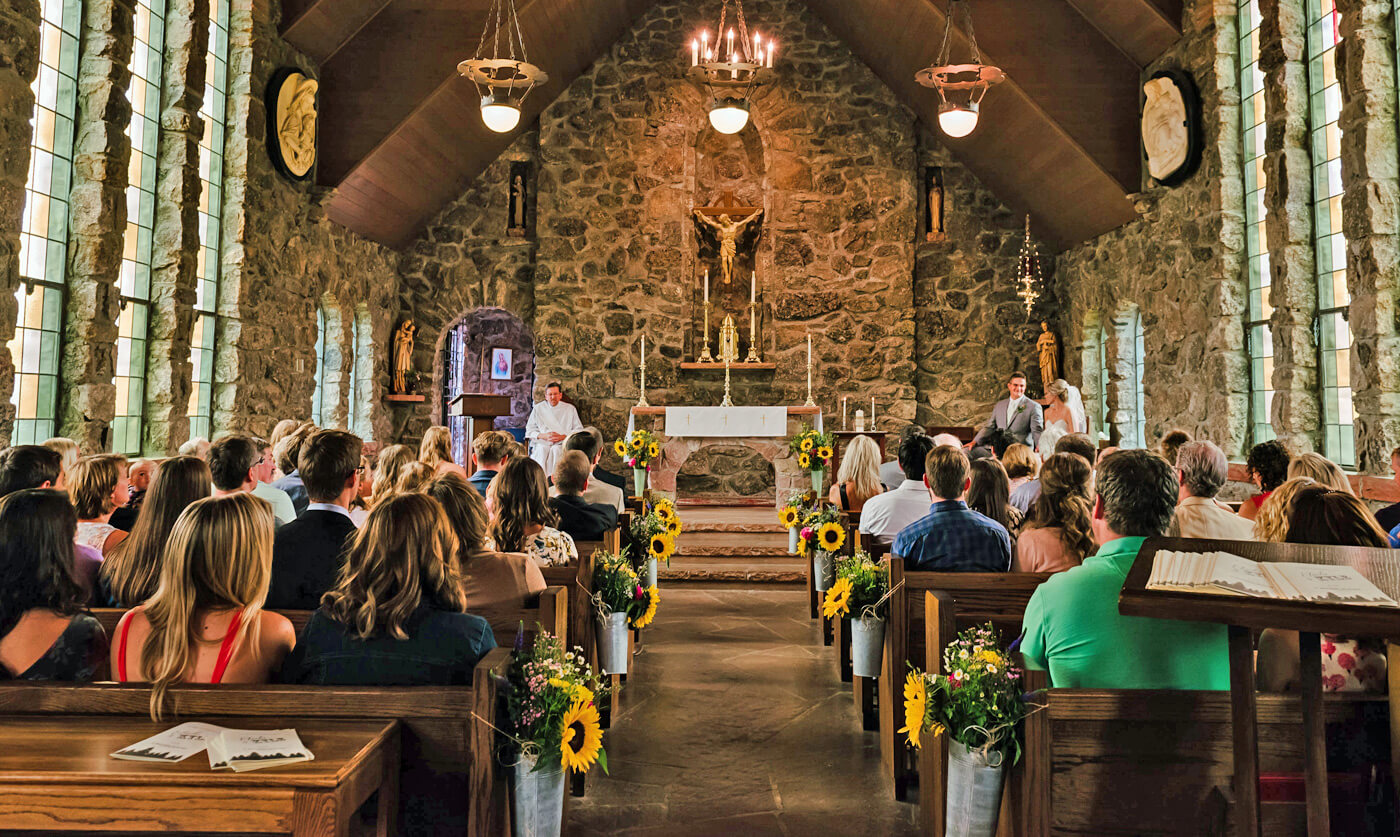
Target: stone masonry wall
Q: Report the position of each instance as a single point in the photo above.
(19, 63)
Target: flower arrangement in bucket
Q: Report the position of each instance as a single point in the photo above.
(554, 727)
(813, 451)
(638, 451)
(859, 593)
(791, 514)
(657, 530)
(621, 603)
(821, 535)
(979, 704)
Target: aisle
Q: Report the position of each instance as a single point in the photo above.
(736, 723)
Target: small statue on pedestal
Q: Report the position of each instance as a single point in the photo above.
(403, 356)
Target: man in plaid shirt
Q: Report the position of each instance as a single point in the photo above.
(952, 537)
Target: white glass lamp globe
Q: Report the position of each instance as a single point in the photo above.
(957, 120)
(730, 116)
(499, 115)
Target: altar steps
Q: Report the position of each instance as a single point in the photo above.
(738, 544)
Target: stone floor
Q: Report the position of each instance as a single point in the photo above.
(735, 722)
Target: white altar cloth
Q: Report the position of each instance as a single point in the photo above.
(710, 422)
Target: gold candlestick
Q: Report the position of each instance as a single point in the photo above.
(753, 349)
(727, 402)
(705, 356)
(642, 390)
(810, 402)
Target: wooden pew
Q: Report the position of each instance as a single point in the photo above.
(448, 777)
(961, 600)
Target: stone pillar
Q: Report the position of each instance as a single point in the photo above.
(97, 217)
(1297, 413)
(175, 237)
(1366, 69)
(19, 63)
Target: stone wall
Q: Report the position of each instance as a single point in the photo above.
(19, 63)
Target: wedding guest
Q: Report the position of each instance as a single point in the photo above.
(858, 479)
(98, 485)
(360, 505)
(413, 477)
(44, 632)
(282, 509)
(288, 454)
(990, 495)
(282, 429)
(392, 461)
(521, 519)
(490, 451)
(891, 473)
(1202, 469)
(130, 576)
(589, 442)
(436, 452)
(197, 447)
(1266, 466)
(233, 461)
(1170, 444)
(37, 466)
(1022, 465)
(308, 553)
(206, 623)
(68, 449)
(138, 474)
(1323, 470)
(952, 537)
(488, 578)
(1072, 624)
(580, 519)
(1271, 523)
(1389, 517)
(1016, 417)
(397, 616)
(1324, 515)
(1079, 444)
(1059, 533)
(884, 515)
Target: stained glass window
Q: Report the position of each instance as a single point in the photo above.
(1329, 244)
(211, 168)
(1102, 351)
(1257, 332)
(134, 283)
(361, 375)
(43, 240)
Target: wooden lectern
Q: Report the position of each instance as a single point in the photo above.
(480, 410)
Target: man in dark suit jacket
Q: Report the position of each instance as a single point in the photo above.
(307, 553)
(583, 521)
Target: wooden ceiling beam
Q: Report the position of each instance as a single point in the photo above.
(1142, 29)
(320, 28)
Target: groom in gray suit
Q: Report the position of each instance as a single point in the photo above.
(1018, 415)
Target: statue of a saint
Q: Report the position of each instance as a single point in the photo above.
(403, 356)
(1048, 348)
(935, 211)
(517, 189)
(727, 232)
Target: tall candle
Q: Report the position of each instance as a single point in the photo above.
(707, 285)
(809, 350)
(844, 398)
(731, 44)
(753, 286)
(872, 411)
(757, 50)
(694, 52)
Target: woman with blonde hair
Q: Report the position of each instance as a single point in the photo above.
(68, 449)
(1021, 463)
(132, 573)
(98, 486)
(205, 623)
(488, 578)
(1271, 521)
(1058, 534)
(436, 452)
(392, 461)
(413, 477)
(398, 615)
(521, 519)
(1326, 472)
(859, 477)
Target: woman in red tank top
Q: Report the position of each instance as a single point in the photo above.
(213, 582)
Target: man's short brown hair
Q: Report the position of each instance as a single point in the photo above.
(946, 469)
(491, 447)
(230, 460)
(571, 472)
(328, 459)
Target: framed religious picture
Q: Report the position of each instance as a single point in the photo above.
(1171, 126)
(502, 364)
(291, 122)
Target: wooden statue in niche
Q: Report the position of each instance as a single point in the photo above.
(517, 197)
(936, 199)
(727, 222)
(727, 233)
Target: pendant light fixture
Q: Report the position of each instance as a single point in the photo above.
(503, 81)
(732, 67)
(960, 86)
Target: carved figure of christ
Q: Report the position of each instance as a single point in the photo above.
(727, 233)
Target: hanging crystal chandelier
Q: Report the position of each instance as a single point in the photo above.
(732, 67)
(1028, 278)
(960, 86)
(502, 81)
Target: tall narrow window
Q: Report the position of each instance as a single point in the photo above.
(354, 391)
(454, 361)
(361, 375)
(316, 411)
(134, 284)
(211, 203)
(1104, 425)
(1139, 364)
(1329, 245)
(1257, 332)
(43, 239)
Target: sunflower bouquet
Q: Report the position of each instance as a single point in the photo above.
(638, 449)
(812, 449)
(550, 701)
(860, 588)
(978, 702)
(820, 530)
(656, 530)
(618, 589)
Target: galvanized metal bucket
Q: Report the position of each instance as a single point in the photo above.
(651, 572)
(538, 798)
(823, 570)
(612, 643)
(792, 540)
(974, 792)
(867, 646)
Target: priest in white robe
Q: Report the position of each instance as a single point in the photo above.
(550, 424)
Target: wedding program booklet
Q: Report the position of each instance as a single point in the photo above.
(237, 749)
(1230, 575)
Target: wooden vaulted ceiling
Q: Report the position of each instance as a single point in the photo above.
(401, 134)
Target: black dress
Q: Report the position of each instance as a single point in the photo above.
(78, 653)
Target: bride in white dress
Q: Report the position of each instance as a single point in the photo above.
(1065, 414)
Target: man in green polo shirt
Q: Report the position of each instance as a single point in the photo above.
(1072, 625)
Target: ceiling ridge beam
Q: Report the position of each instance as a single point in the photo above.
(290, 31)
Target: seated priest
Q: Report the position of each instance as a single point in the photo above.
(551, 422)
(589, 442)
(952, 537)
(1072, 625)
(582, 520)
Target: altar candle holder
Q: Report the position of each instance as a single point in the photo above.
(642, 390)
(753, 348)
(727, 402)
(705, 356)
(810, 402)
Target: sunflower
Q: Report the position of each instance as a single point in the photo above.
(915, 707)
(653, 599)
(638, 443)
(619, 448)
(660, 546)
(664, 510)
(824, 453)
(653, 450)
(838, 599)
(788, 517)
(831, 536)
(581, 738)
(578, 691)
(804, 461)
(673, 527)
(806, 444)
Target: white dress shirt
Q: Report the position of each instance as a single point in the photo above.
(884, 515)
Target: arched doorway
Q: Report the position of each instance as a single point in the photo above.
(468, 351)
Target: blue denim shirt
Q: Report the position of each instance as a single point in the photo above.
(954, 538)
(441, 650)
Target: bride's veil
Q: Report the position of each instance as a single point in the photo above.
(1075, 402)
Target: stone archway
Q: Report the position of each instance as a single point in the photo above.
(464, 361)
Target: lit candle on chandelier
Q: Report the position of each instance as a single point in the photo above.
(770, 54)
(730, 42)
(705, 42)
(694, 52)
(757, 50)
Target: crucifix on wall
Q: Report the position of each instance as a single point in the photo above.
(727, 222)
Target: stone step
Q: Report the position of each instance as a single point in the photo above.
(781, 571)
(732, 519)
